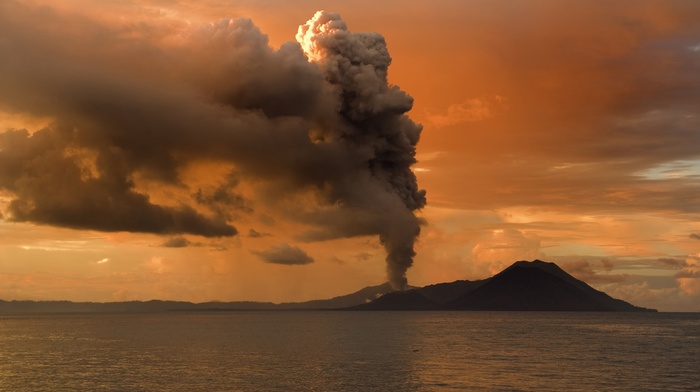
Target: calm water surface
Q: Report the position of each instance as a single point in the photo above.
(350, 351)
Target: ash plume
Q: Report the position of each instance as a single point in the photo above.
(142, 101)
(371, 118)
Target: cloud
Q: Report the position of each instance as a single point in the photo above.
(223, 199)
(51, 187)
(501, 248)
(591, 109)
(284, 254)
(607, 265)
(176, 242)
(337, 260)
(689, 277)
(362, 256)
(671, 262)
(136, 105)
(695, 236)
(470, 110)
(583, 270)
(252, 233)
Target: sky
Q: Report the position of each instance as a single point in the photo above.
(216, 150)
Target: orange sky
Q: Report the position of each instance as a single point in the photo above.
(565, 131)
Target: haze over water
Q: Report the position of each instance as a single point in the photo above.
(349, 351)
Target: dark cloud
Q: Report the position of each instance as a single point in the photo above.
(695, 236)
(362, 256)
(266, 220)
(672, 262)
(252, 233)
(176, 242)
(284, 254)
(143, 101)
(223, 199)
(688, 274)
(51, 187)
(337, 260)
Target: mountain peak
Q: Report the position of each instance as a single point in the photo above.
(537, 263)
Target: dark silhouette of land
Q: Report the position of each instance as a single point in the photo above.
(365, 295)
(524, 286)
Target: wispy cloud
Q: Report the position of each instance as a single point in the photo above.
(470, 110)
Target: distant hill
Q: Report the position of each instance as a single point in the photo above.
(126, 307)
(362, 296)
(365, 295)
(536, 285)
(399, 300)
(524, 286)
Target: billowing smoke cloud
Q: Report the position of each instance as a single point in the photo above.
(137, 103)
(371, 121)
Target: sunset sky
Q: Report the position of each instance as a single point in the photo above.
(171, 150)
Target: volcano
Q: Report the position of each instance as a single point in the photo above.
(524, 286)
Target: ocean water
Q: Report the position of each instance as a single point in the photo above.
(350, 351)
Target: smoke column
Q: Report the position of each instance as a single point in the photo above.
(372, 118)
(136, 104)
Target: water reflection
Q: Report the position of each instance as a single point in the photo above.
(349, 351)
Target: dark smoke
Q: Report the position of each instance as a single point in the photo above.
(139, 102)
(371, 118)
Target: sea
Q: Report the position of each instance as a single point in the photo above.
(350, 351)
